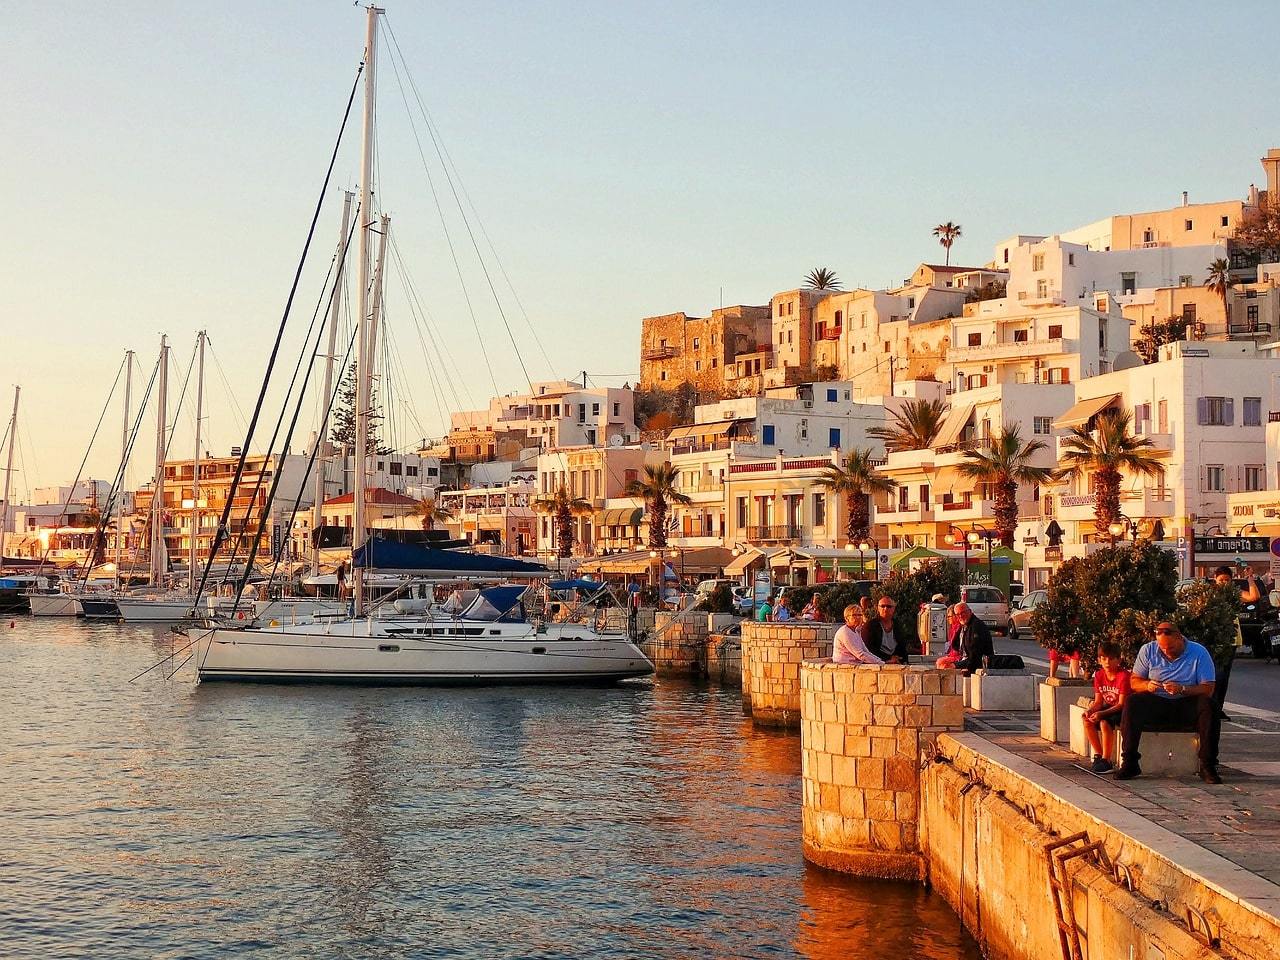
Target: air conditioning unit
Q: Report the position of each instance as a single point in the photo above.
(808, 404)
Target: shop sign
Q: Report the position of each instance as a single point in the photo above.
(1233, 544)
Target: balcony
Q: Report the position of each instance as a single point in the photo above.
(1147, 503)
(1273, 416)
(831, 333)
(909, 513)
(1009, 350)
(1246, 331)
(785, 531)
(664, 352)
(956, 511)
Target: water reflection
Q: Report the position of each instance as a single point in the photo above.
(164, 818)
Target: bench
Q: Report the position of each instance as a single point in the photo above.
(1165, 753)
(1001, 690)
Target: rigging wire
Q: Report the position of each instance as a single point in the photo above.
(221, 534)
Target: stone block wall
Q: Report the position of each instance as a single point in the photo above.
(771, 657)
(678, 642)
(862, 732)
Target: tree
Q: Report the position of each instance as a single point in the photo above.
(1258, 231)
(915, 425)
(658, 489)
(821, 278)
(563, 507)
(1104, 455)
(343, 432)
(856, 478)
(1155, 335)
(947, 234)
(1219, 281)
(430, 512)
(1005, 465)
(991, 290)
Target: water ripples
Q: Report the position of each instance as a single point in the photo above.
(166, 819)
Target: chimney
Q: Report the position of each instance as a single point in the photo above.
(1184, 198)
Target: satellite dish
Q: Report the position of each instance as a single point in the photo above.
(1126, 360)
(616, 440)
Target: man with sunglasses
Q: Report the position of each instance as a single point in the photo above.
(881, 637)
(1172, 683)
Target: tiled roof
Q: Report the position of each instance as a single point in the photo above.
(379, 495)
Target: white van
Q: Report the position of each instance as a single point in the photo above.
(988, 605)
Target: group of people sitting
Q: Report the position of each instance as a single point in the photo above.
(1170, 686)
(870, 637)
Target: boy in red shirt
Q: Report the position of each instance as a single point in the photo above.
(1111, 686)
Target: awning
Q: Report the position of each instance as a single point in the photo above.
(619, 517)
(742, 561)
(717, 428)
(903, 560)
(1079, 415)
(953, 425)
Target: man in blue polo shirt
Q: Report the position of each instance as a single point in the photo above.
(1172, 686)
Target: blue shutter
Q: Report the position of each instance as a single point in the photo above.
(833, 437)
(766, 435)
(1202, 410)
(831, 396)
(1229, 412)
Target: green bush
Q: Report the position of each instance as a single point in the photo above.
(1207, 613)
(1111, 594)
(834, 597)
(719, 600)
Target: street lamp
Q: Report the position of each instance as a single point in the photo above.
(869, 544)
(975, 538)
(851, 546)
(1121, 527)
(960, 538)
(1244, 531)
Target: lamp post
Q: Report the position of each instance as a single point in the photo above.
(975, 538)
(869, 544)
(1244, 531)
(660, 574)
(1121, 527)
(960, 538)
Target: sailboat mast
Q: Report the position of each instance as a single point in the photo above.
(157, 503)
(195, 466)
(124, 455)
(8, 470)
(364, 361)
(323, 447)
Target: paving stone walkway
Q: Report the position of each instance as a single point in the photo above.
(1239, 820)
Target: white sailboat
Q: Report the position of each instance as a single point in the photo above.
(492, 640)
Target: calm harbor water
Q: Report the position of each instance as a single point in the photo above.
(169, 819)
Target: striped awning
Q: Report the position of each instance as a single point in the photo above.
(619, 517)
(717, 428)
(953, 424)
(1079, 415)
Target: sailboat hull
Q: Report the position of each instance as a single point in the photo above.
(142, 610)
(394, 653)
(54, 605)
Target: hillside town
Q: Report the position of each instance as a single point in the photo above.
(815, 434)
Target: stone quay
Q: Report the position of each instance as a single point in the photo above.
(771, 657)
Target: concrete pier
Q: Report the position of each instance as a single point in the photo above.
(771, 657)
(862, 733)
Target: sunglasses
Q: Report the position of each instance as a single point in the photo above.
(1165, 630)
(888, 606)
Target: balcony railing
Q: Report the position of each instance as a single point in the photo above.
(1273, 416)
(831, 333)
(950, 506)
(1248, 329)
(977, 443)
(785, 531)
(660, 353)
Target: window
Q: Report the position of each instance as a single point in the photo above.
(697, 366)
(1059, 375)
(1252, 412)
(789, 333)
(1006, 254)
(1215, 411)
(1251, 314)
(1188, 313)
(1055, 331)
(1226, 221)
(780, 335)
(713, 339)
(397, 469)
(1037, 261)
(886, 346)
(833, 437)
(1185, 280)
(911, 301)
(832, 395)
(741, 508)
(864, 320)
(1128, 282)
(595, 409)
(1020, 336)
(1188, 224)
(697, 342)
(617, 408)
(410, 470)
(1147, 235)
(819, 509)
(766, 434)
(715, 362)
(1214, 476)
(1162, 413)
(839, 317)
(662, 375)
(1255, 478)
(1042, 289)
(1071, 259)
(1042, 425)
(975, 339)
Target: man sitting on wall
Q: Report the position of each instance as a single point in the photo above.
(882, 640)
(1172, 683)
(972, 639)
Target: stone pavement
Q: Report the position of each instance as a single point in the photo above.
(1239, 820)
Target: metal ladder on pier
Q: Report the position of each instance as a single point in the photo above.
(1058, 853)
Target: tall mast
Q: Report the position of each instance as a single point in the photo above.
(375, 311)
(157, 503)
(195, 467)
(323, 447)
(124, 456)
(364, 361)
(8, 470)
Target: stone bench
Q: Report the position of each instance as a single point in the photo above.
(1165, 753)
(1001, 690)
(1057, 694)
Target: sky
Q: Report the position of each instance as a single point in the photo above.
(162, 163)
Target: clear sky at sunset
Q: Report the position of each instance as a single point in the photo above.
(161, 162)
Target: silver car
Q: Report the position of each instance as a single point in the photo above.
(1020, 619)
(988, 605)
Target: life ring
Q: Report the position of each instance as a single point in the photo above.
(240, 615)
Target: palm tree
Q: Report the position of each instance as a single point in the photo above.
(1005, 465)
(915, 425)
(659, 490)
(857, 477)
(1103, 455)
(947, 234)
(821, 278)
(563, 507)
(430, 511)
(1219, 280)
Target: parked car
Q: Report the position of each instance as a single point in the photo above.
(1020, 618)
(988, 605)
